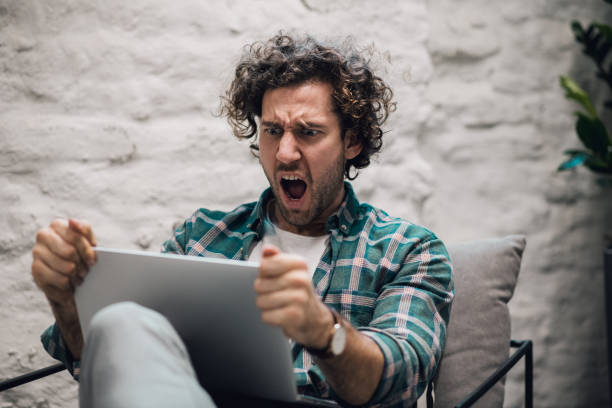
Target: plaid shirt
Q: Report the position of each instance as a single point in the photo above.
(389, 278)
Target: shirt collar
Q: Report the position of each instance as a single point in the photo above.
(255, 222)
(341, 220)
(347, 212)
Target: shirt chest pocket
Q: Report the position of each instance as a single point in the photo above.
(357, 306)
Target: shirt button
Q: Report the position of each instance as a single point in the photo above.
(343, 228)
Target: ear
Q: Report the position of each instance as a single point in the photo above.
(352, 146)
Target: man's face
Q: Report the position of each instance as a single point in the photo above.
(302, 153)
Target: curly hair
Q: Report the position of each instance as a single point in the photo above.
(361, 99)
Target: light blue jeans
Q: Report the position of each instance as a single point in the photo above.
(134, 358)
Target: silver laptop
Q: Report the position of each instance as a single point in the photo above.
(211, 304)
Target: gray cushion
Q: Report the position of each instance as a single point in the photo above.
(485, 274)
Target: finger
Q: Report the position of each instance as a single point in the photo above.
(292, 279)
(269, 250)
(49, 280)
(57, 286)
(77, 280)
(76, 239)
(85, 241)
(50, 238)
(276, 300)
(279, 264)
(54, 262)
(282, 317)
(86, 251)
(84, 228)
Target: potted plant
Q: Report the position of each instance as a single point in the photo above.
(596, 41)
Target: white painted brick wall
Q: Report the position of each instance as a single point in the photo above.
(106, 113)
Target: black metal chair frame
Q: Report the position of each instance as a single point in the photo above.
(31, 376)
(524, 349)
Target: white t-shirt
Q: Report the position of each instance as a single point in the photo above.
(310, 248)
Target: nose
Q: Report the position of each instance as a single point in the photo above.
(288, 149)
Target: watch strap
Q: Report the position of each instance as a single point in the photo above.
(327, 351)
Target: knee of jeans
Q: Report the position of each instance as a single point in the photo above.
(121, 316)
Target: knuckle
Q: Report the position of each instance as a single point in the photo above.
(264, 265)
(70, 268)
(36, 270)
(57, 223)
(36, 251)
(265, 317)
(70, 252)
(299, 279)
(259, 303)
(42, 234)
(86, 226)
(300, 298)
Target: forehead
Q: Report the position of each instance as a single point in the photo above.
(305, 101)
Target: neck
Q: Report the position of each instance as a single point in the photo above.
(313, 229)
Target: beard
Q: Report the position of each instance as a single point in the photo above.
(323, 193)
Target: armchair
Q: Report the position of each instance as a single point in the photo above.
(476, 357)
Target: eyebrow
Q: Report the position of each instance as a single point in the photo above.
(270, 124)
(313, 125)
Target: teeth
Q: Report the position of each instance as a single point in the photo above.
(290, 178)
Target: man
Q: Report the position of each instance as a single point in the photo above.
(366, 297)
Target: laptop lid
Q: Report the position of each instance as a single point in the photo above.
(211, 304)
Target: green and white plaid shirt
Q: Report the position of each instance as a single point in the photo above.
(389, 278)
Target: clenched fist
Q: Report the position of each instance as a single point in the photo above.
(62, 256)
(287, 299)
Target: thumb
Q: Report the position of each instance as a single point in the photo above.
(269, 250)
(82, 228)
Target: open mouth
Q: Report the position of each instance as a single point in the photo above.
(293, 186)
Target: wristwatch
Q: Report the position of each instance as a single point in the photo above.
(337, 340)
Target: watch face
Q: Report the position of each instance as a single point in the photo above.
(338, 340)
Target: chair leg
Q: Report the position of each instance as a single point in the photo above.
(430, 398)
(31, 376)
(529, 376)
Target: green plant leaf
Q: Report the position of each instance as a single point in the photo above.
(593, 134)
(579, 33)
(598, 44)
(605, 30)
(597, 165)
(573, 152)
(602, 52)
(582, 157)
(574, 92)
(574, 160)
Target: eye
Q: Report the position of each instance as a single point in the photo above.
(309, 132)
(273, 131)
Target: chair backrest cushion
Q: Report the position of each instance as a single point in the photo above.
(485, 274)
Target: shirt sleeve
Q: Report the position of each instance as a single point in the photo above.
(54, 345)
(52, 339)
(410, 321)
(176, 244)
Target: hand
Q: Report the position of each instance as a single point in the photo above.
(62, 256)
(287, 299)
